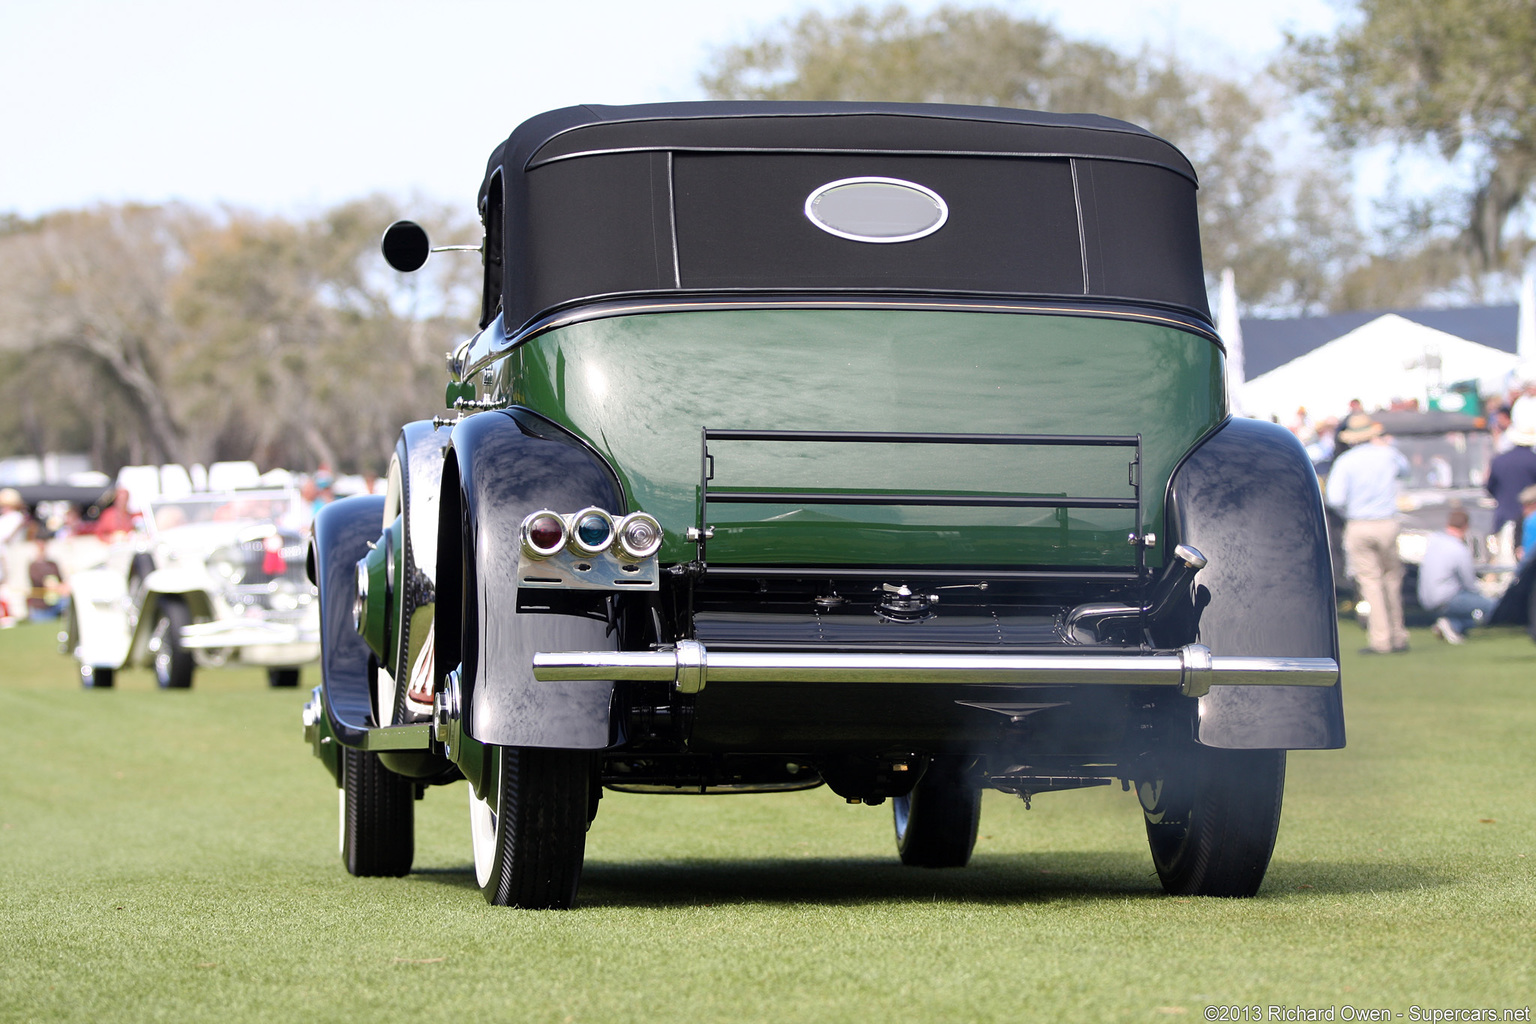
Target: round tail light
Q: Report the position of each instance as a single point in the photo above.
(543, 534)
(639, 536)
(591, 531)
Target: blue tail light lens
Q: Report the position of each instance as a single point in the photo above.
(592, 531)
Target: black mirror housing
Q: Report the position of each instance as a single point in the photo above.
(405, 246)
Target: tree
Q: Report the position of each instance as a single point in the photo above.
(1456, 77)
(90, 288)
(155, 334)
(299, 321)
(1252, 218)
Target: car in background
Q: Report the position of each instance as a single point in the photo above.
(208, 579)
(1448, 455)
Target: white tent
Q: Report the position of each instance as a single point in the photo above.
(1389, 358)
(1230, 327)
(1525, 335)
(1526, 332)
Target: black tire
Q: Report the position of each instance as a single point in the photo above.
(378, 817)
(97, 678)
(529, 849)
(936, 823)
(1212, 820)
(172, 661)
(282, 678)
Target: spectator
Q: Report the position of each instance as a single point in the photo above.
(1340, 445)
(1362, 486)
(50, 594)
(13, 516)
(1498, 427)
(1527, 549)
(14, 519)
(1301, 425)
(1512, 472)
(1320, 451)
(1448, 582)
(318, 491)
(115, 519)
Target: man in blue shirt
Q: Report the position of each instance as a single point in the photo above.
(1448, 582)
(1362, 486)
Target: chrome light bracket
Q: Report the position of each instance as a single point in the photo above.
(571, 568)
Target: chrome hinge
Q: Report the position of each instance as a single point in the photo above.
(475, 404)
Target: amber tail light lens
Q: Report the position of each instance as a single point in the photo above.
(639, 536)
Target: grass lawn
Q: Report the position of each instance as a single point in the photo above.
(172, 856)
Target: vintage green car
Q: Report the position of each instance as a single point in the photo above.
(880, 446)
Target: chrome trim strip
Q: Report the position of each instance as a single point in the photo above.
(1016, 154)
(1082, 237)
(677, 265)
(1193, 669)
(878, 573)
(854, 109)
(494, 342)
(599, 309)
(930, 437)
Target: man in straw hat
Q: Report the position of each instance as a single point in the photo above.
(1448, 582)
(1362, 486)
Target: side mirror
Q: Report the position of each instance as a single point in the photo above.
(406, 246)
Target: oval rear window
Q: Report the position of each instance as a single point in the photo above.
(876, 209)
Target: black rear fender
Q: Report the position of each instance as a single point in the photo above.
(1248, 499)
(342, 532)
(501, 467)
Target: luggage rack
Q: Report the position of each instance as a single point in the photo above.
(702, 532)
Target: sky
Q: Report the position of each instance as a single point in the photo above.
(287, 107)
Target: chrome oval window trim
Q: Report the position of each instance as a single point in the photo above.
(878, 210)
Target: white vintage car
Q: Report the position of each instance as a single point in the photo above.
(209, 579)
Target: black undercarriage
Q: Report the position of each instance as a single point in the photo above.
(871, 741)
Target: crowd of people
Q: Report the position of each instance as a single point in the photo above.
(1363, 474)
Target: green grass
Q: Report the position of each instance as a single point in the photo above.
(171, 856)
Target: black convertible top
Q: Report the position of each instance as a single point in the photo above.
(592, 202)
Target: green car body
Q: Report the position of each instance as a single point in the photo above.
(640, 388)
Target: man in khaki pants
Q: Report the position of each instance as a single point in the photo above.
(1362, 486)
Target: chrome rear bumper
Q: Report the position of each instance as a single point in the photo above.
(689, 666)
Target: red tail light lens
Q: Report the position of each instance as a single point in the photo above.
(543, 534)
